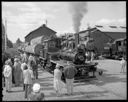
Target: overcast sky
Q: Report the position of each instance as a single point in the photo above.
(24, 17)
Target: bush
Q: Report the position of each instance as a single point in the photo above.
(5, 56)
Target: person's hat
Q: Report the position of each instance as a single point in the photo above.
(16, 59)
(7, 62)
(57, 65)
(36, 87)
(69, 62)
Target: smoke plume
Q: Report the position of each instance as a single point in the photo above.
(77, 10)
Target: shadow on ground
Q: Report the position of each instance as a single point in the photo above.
(16, 91)
(108, 78)
(82, 94)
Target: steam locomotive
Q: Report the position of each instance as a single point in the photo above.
(84, 69)
(51, 53)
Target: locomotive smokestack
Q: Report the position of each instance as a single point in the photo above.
(76, 39)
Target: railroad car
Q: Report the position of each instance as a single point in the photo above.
(117, 49)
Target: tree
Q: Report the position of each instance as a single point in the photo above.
(18, 42)
(9, 43)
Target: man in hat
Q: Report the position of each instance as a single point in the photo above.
(36, 94)
(28, 80)
(69, 73)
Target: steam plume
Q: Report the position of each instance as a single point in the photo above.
(77, 9)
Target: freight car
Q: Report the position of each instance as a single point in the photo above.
(120, 48)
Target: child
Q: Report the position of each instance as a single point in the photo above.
(36, 95)
(123, 65)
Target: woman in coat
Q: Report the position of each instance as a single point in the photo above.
(58, 84)
(17, 72)
(8, 75)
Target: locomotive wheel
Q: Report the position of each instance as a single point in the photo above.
(100, 73)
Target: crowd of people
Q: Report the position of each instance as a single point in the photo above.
(20, 71)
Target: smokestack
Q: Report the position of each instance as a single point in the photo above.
(76, 39)
(77, 10)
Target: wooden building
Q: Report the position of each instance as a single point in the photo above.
(101, 35)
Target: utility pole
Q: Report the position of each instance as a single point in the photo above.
(5, 34)
(88, 31)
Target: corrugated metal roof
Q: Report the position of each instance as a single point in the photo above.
(120, 39)
(111, 29)
(114, 32)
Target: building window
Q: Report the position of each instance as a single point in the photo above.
(119, 43)
(85, 38)
(52, 44)
(124, 42)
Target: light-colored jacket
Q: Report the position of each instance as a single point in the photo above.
(123, 62)
(57, 74)
(31, 58)
(28, 76)
(22, 66)
(7, 71)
